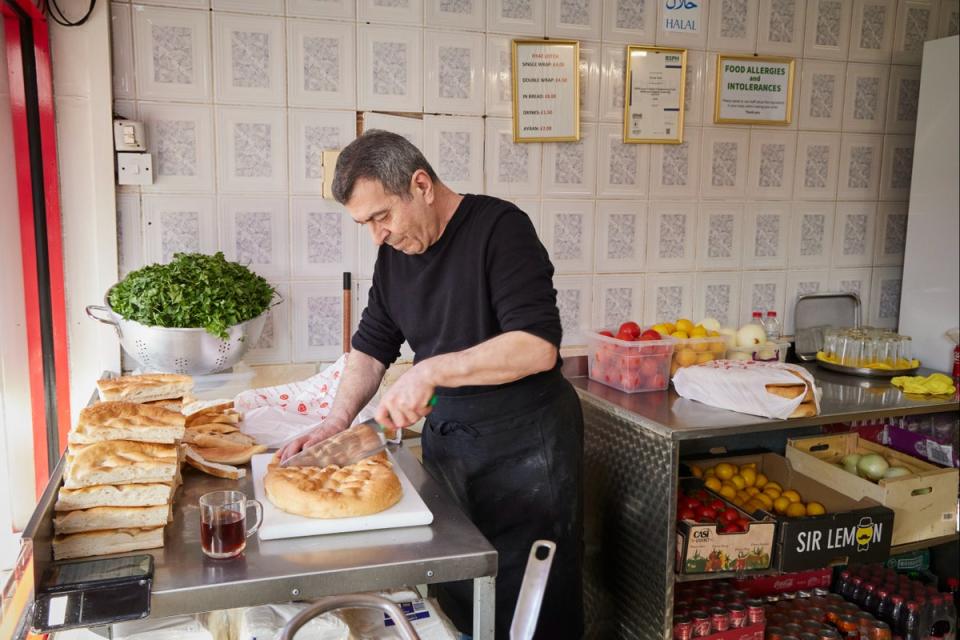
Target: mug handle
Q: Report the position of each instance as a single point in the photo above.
(259, 509)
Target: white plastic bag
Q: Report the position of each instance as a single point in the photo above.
(425, 615)
(741, 386)
(266, 622)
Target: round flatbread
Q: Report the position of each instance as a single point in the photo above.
(361, 489)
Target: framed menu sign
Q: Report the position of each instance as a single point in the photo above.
(653, 104)
(546, 90)
(754, 90)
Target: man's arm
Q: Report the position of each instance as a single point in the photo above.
(499, 360)
(360, 381)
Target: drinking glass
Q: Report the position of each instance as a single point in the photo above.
(223, 515)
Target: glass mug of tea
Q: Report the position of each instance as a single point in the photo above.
(223, 530)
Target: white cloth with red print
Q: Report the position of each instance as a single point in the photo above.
(741, 386)
(275, 415)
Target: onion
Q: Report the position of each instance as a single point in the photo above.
(851, 468)
(851, 459)
(896, 472)
(873, 466)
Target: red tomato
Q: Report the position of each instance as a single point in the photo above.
(631, 328)
(707, 512)
(649, 366)
(598, 371)
(630, 379)
(609, 334)
(705, 520)
(689, 503)
(686, 514)
(718, 505)
(743, 523)
(659, 381)
(650, 334)
(625, 335)
(730, 515)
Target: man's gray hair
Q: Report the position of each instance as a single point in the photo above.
(379, 155)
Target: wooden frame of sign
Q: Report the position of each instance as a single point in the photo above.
(754, 90)
(654, 87)
(546, 90)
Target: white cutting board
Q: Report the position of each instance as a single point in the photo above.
(409, 512)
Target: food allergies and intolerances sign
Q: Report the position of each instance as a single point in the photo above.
(754, 90)
(546, 91)
(653, 109)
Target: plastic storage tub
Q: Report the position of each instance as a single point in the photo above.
(630, 366)
(768, 352)
(693, 351)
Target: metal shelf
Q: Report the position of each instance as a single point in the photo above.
(720, 575)
(923, 544)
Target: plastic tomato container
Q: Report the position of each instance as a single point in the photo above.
(630, 366)
(693, 351)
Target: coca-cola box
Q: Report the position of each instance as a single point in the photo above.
(850, 532)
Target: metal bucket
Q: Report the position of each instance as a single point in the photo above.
(187, 351)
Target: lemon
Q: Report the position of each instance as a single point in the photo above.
(669, 326)
(752, 506)
(725, 471)
(684, 325)
(738, 502)
(679, 335)
(728, 492)
(698, 332)
(752, 491)
(709, 473)
(662, 329)
(685, 357)
(765, 500)
(718, 347)
(749, 475)
(815, 509)
(699, 347)
(713, 484)
(791, 495)
(796, 510)
(749, 465)
(774, 485)
(743, 495)
(780, 505)
(696, 471)
(773, 493)
(738, 480)
(761, 481)
(713, 334)
(704, 358)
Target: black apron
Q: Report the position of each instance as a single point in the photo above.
(513, 458)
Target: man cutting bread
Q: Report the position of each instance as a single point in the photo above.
(467, 283)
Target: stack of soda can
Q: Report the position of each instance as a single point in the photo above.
(700, 611)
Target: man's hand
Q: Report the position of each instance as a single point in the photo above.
(408, 399)
(329, 427)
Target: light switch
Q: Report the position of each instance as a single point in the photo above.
(134, 168)
(128, 135)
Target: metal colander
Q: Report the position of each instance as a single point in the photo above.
(187, 351)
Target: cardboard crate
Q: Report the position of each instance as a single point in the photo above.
(925, 503)
(813, 542)
(762, 586)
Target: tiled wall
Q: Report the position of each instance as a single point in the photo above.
(240, 100)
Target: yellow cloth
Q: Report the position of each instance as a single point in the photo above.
(935, 384)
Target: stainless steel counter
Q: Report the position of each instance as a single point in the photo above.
(845, 398)
(274, 571)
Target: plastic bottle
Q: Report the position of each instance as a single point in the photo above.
(898, 612)
(757, 318)
(884, 605)
(870, 599)
(940, 624)
(844, 584)
(772, 326)
(913, 623)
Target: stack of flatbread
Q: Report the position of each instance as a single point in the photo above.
(123, 467)
(213, 442)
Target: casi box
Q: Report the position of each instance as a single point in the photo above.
(850, 532)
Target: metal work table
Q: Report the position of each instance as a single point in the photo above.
(274, 571)
(632, 450)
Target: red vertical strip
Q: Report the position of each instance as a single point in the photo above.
(51, 188)
(18, 118)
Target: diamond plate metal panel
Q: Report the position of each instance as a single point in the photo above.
(629, 499)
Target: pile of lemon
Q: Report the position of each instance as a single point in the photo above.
(750, 490)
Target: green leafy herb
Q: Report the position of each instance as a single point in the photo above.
(194, 290)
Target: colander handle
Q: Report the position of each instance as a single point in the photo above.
(272, 304)
(92, 310)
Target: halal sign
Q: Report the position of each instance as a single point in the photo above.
(681, 16)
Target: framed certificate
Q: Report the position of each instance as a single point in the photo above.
(653, 103)
(754, 90)
(546, 90)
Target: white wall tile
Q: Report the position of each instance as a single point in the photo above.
(811, 234)
(570, 168)
(499, 87)
(453, 74)
(668, 297)
(818, 157)
(465, 14)
(174, 224)
(800, 283)
(865, 102)
(903, 99)
(860, 159)
(389, 68)
(325, 241)
(949, 18)
(366, 253)
(854, 234)
(343, 9)
(723, 173)
(897, 170)
(180, 141)
(621, 236)
(891, 234)
(885, 297)
(717, 296)
(185, 4)
(683, 24)
(675, 168)
(629, 21)
(762, 291)
(590, 53)
(780, 28)
(512, 169)
(766, 235)
(454, 147)
(671, 236)
(517, 17)
(821, 95)
(854, 281)
(129, 233)
(321, 64)
(409, 127)
(255, 231)
(317, 314)
(871, 36)
(613, 65)
(567, 231)
(720, 233)
(623, 170)
(172, 54)
(252, 149)
(916, 23)
(827, 32)
(125, 109)
(258, 7)
(579, 19)
(273, 346)
(617, 299)
(574, 301)
(733, 26)
(121, 33)
(773, 157)
(311, 133)
(391, 11)
(694, 87)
